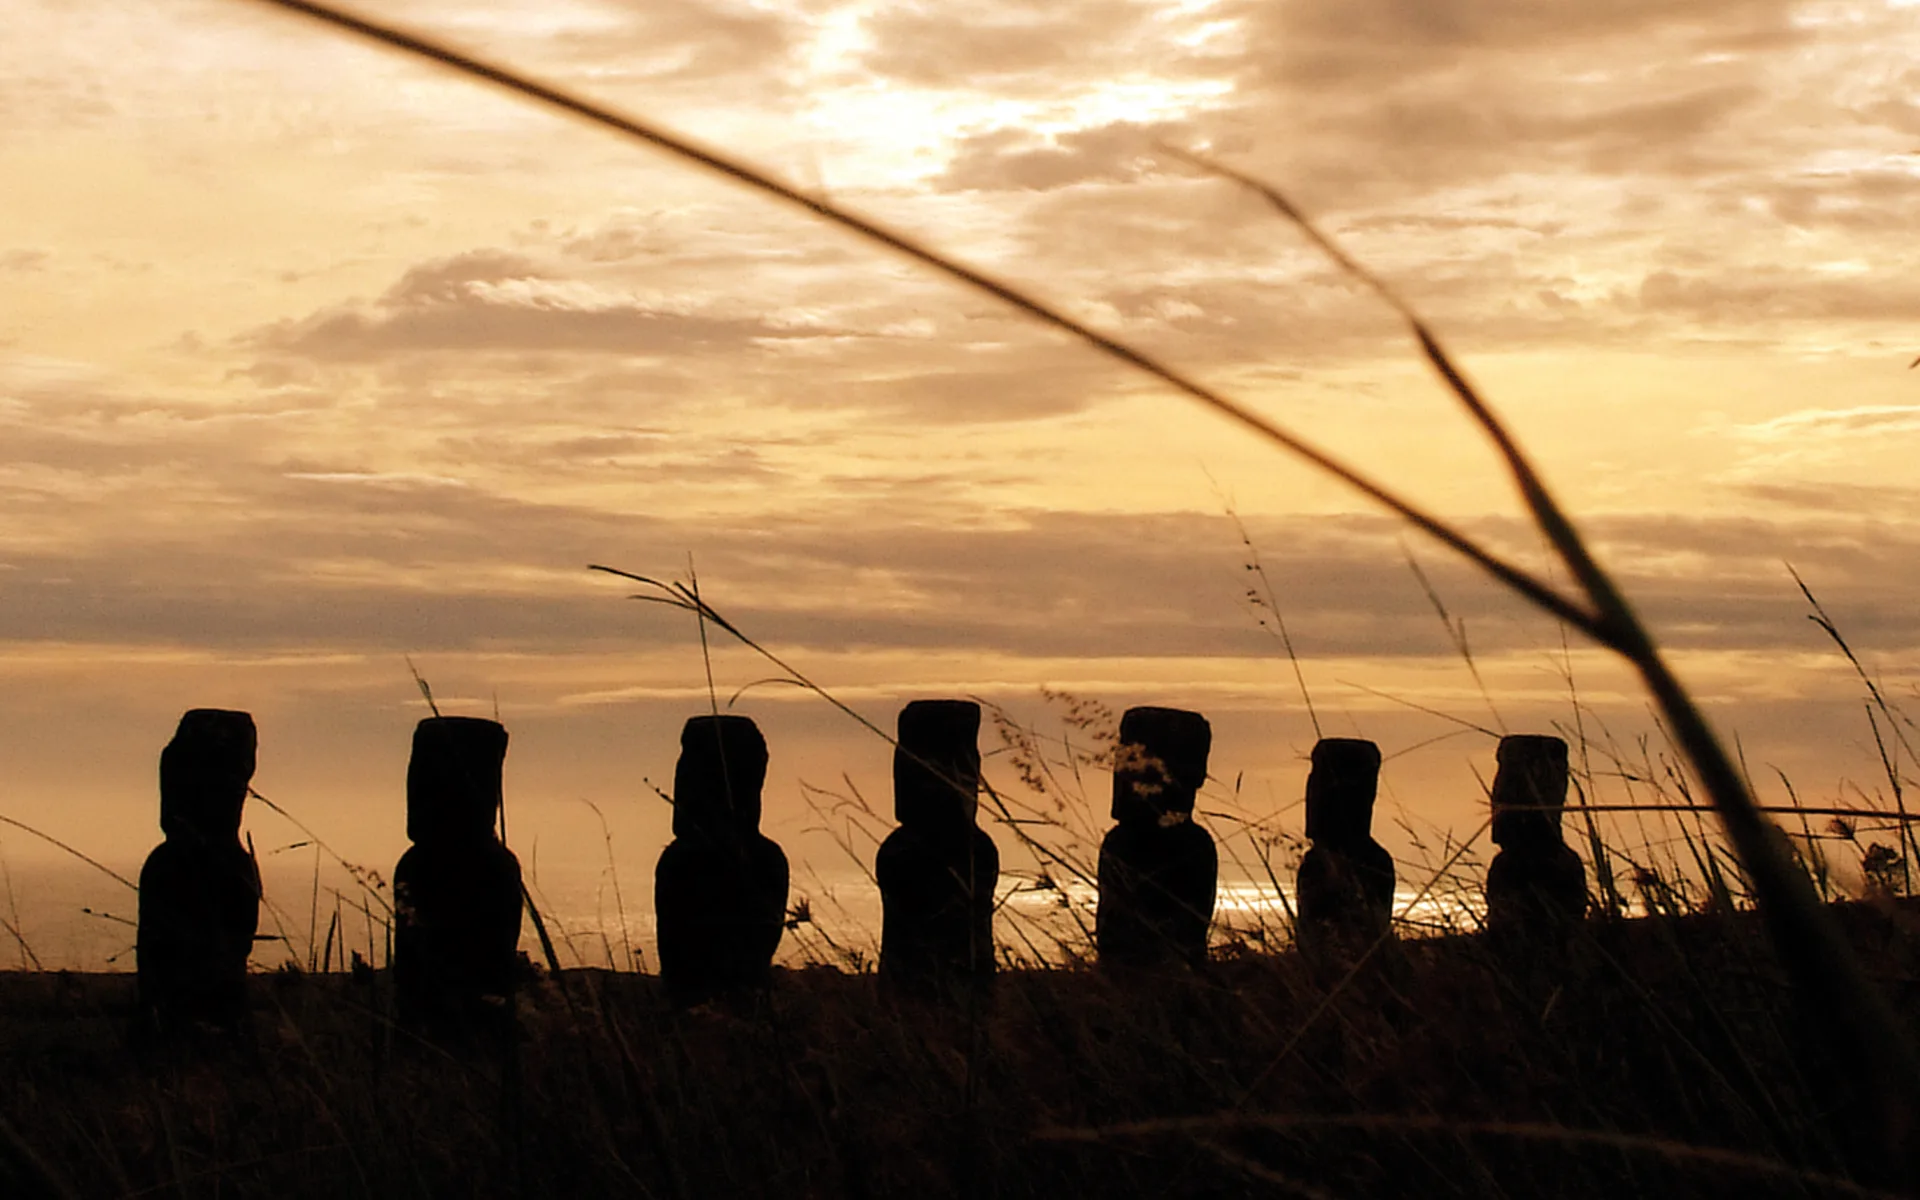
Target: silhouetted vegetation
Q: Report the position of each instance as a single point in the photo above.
(1662, 1059)
(1662, 1055)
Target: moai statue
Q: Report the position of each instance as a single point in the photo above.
(1158, 870)
(938, 870)
(200, 888)
(1536, 885)
(720, 890)
(457, 888)
(1345, 885)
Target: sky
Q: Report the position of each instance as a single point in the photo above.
(315, 359)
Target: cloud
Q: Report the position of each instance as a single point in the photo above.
(359, 561)
(1756, 294)
(580, 329)
(1336, 43)
(23, 260)
(1869, 200)
(1510, 165)
(378, 478)
(1375, 99)
(1015, 48)
(692, 42)
(1014, 159)
(967, 384)
(1627, 136)
(486, 302)
(1845, 499)
(1871, 420)
(38, 95)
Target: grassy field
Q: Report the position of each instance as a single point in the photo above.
(1688, 1053)
(1659, 1056)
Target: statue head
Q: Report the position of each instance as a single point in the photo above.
(936, 765)
(717, 782)
(1341, 787)
(1529, 790)
(454, 778)
(1160, 763)
(204, 773)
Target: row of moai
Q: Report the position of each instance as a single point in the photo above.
(457, 890)
(720, 889)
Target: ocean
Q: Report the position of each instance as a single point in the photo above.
(73, 916)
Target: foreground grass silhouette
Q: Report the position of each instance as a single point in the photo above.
(1659, 1058)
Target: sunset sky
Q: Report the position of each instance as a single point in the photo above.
(313, 357)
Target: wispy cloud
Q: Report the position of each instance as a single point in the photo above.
(1831, 423)
(379, 478)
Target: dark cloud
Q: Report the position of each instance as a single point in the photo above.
(1424, 224)
(92, 439)
(1324, 43)
(969, 385)
(685, 41)
(600, 446)
(1374, 100)
(1460, 134)
(1897, 112)
(613, 243)
(488, 302)
(1849, 499)
(1868, 420)
(328, 556)
(1013, 159)
(1522, 25)
(1404, 142)
(1494, 161)
(450, 280)
(1379, 93)
(38, 99)
(1759, 293)
(23, 260)
(484, 326)
(1014, 48)
(1875, 201)
(493, 329)
(1235, 284)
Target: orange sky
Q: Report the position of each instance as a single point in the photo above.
(313, 357)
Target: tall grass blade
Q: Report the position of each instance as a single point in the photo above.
(1456, 633)
(1265, 598)
(426, 690)
(1837, 995)
(95, 863)
(1909, 845)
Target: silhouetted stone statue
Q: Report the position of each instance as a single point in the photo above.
(938, 870)
(457, 889)
(1536, 885)
(1159, 871)
(200, 888)
(720, 890)
(1345, 885)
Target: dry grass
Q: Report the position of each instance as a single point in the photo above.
(1659, 1057)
